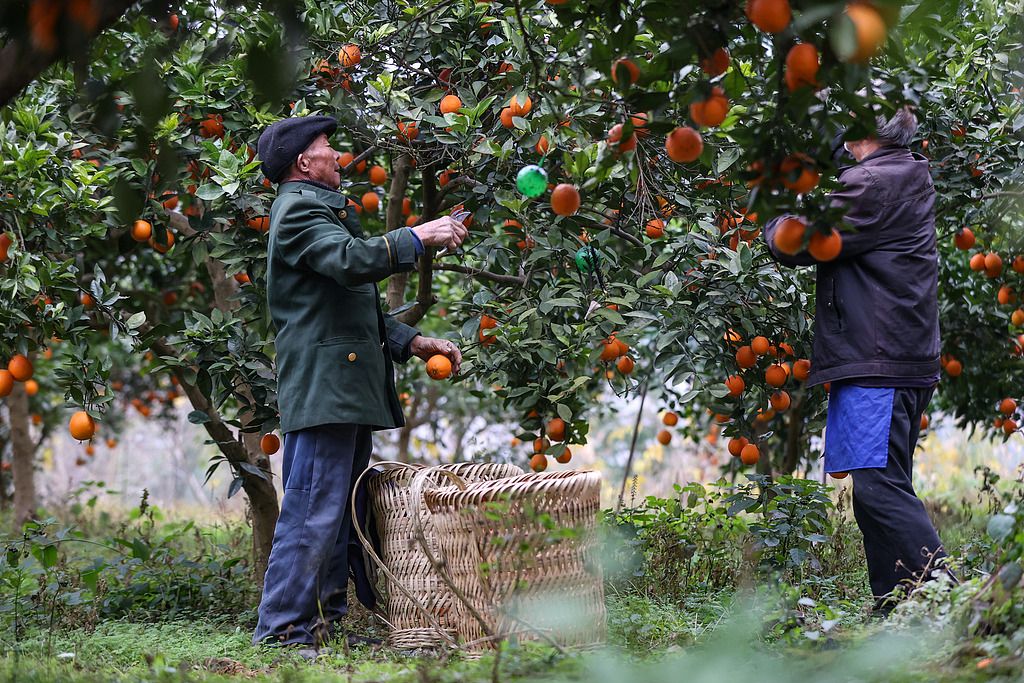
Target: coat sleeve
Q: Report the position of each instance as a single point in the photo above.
(399, 337)
(309, 238)
(862, 201)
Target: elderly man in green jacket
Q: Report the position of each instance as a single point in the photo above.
(335, 355)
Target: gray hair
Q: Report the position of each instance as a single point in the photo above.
(899, 129)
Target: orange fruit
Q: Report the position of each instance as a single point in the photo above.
(20, 368)
(259, 223)
(664, 437)
(655, 228)
(631, 69)
(1017, 318)
(954, 367)
(978, 262)
(802, 369)
(141, 230)
(371, 201)
(270, 443)
(378, 176)
(870, 30)
(839, 475)
(407, 132)
(349, 55)
(241, 278)
(825, 248)
(789, 235)
(539, 462)
(736, 445)
(711, 111)
(670, 419)
(801, 166)
(31, 387)
(5, 244)
(993, 265)
(759, 345)
(771, 16)
(344, 159)
(565, 457)
(520, 105)
(1005, 295)
(450, 104)
(750, 454)
(439, 367)
(541, 444)
(82, 426)
(802, 66)
(565, 199)
(745, 357)
(1007, 406)
(735, 384)
(506, 118)
(780, 401)
(542, 145)
(1018, 264)
(212, 126)
(684, 144)
(6, 382)
(1009, 426)
(556, 429)
(716, 64)
(625, 365)
(775, 375)
(609, 350)
(487, 323)
(162, 248)
(615, 139)
(964, 239)
(764, 415)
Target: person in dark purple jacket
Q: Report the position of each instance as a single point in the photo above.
(876, 340)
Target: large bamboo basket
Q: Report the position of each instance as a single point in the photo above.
(419, 606)
(521, 555)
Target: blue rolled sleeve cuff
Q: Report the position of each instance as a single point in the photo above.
(419, 243)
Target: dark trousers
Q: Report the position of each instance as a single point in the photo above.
(899, 540)
(308, 572)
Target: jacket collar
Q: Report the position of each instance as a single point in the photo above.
(331, 197)
(889, 153)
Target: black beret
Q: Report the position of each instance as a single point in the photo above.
(283, 141)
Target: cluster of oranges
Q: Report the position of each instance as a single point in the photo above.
(142, 231)
(669, 419)
(19, 369)
(614, 349)
(1006, 420)
(555, 432)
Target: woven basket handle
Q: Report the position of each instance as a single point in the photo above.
(368, 546)
(416, 494)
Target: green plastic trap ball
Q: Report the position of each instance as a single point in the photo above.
(532, 180)
(587, 259)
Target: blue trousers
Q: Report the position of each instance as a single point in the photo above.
(900, 543)
(304, 591)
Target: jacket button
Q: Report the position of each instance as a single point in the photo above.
(351, 356)
(343, 214)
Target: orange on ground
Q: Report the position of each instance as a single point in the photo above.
(1007, 406)
(802, 369)
(565, 199)
(759, 345)
(349, 55)
(556, 429)
(712, 111)
(450, 104)
(822, 248)
(539, 462)
(439, 366)
(378, 176)
(632, 69)
(771, 16)
(964, 239)
(565, 457)
(717, 64)
(670, 419)
(780, 401)
(655, 228)
(735, 384)
(750, 454)
(789, 235)
(870, 29)
(775, 375)
(82, 426)
(270, 443)
(371, 201)
(141, 230)
(684, 144)
(20, 368)
(802, 66)
(664, 437)
(6, 382)
(625, 365)
(745, 357)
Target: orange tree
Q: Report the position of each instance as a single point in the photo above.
(662, 138)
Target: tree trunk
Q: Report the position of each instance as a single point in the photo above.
(23, 457)
(791, 458)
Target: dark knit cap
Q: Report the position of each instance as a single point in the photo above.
(282, 142)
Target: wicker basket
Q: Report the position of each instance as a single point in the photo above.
(418, 605)
(521, 554)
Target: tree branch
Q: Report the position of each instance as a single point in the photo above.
(482, 274)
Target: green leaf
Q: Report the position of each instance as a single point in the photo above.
(209, 192)
(198, 417)
(136, 320)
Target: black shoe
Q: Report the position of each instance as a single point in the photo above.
(882, 608)
(354, 640)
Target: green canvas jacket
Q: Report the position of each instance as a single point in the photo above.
(335, 347)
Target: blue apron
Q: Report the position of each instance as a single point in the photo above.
(857, 427)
